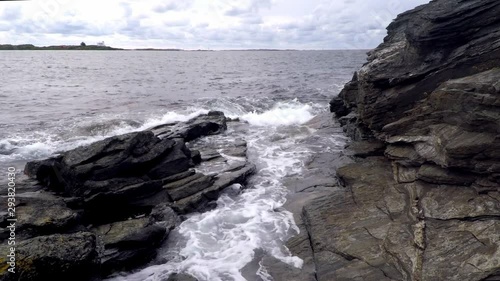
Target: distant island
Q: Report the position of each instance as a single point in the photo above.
(82, 46)
(102, 47)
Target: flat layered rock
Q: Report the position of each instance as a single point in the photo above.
(378, 229)
(40, 213)
(461, 250)
(128, 244)
(71, 256)
(200, 200)
(367, 148)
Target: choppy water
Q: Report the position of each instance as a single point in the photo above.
(53, 101)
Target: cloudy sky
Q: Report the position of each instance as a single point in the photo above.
(201, 24)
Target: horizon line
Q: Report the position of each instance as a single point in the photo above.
(187, 49)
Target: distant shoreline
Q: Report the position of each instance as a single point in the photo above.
(24, 47)
(31, 47)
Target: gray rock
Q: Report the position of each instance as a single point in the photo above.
(447, 202)
(212, 123)
(177, 161)
(122, 188)
(40, 213)
(45, 172)
(122, 159)
(404, 153)
(199, 201)
(181, 277)
(122, 203)
(128, 244)
(57, 257)
(114, 157)
(346, 100)
(165, 216)
(431, 92)
(367, 148)
(188, 186)
(437, 175)
(281, 271)
(461, 250)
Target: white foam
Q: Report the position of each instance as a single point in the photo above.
(282, 114)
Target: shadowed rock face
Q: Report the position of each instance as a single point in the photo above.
(428, 208)
(425, 47)
(108, 206)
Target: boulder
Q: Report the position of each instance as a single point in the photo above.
(40, 213)
(129, 243)
(45, 172)
(123, 159)
(56, 257)
(115, 177)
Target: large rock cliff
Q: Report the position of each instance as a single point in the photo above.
(422, 199)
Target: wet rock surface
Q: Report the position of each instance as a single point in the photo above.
(108, 206)
(72, 256)
(427, 207)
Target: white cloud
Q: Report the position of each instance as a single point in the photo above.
(191, 24)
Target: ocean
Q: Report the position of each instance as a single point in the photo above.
(53, 101)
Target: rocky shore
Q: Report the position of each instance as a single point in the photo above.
(414, 196)
(421, 199)
(108, 206)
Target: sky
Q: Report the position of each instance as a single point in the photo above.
(201, 24)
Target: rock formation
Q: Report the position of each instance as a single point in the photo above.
(422, 199)
(419, 201)
(108, 206)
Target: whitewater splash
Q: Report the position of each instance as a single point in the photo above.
(42, 144)
(282, 114)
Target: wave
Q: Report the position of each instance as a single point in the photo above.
(282, 114)
(49, 142)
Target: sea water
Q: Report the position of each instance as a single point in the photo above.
(53, 101)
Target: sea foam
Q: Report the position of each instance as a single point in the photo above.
(282, 114)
